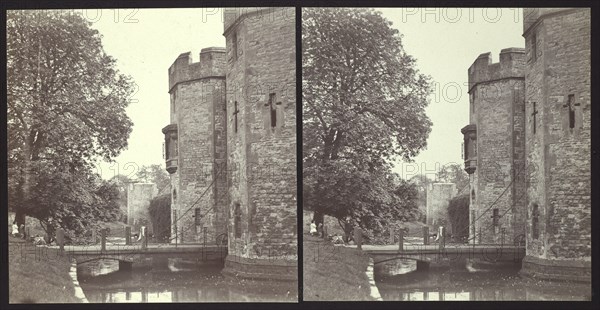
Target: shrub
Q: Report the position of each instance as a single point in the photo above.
(160, 215)
(458, 213)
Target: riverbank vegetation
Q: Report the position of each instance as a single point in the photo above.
(38, 274)
(334, 272)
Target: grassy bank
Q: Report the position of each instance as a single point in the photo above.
(38, 275)
(334, 272)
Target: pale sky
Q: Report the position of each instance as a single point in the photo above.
(145, 43)
(445, 43)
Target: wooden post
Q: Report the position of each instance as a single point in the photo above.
(204, 235)
(144, 237)
(442, 237)
(103, 236)
(358, 237)
(401, 240)
(60, 239)
(128, 235)
(392, 234)
(176, 235)
(425, 235)
(94, 236)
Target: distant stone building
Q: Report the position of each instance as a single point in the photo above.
(231, 146)
(138, 201)
(529, 136)
(494, 143)
(438, 198)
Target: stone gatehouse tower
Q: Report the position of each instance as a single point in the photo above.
(534, 134)
(195, 147)
(261, 142)
(494, 144)
(231, 146)
(558, 142)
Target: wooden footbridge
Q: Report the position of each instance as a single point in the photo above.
(453, 252)
(425, 253)
(128, 253)
(132, 253)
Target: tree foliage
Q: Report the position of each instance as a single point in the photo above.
(458, 214)
(154, 174)
(454, 173)
(121, 181)
(363, 106)
(160, 215)
(73, 200)
(66, 110)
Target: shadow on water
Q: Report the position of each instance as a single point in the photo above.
(179, 281)
(464, 282)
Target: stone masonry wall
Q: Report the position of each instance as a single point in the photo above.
(438, 197)
(497, 100)
(262, 159)
(198, 91)
(558, 65)
(138, 201)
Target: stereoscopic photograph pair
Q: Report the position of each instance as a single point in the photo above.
(290, 154)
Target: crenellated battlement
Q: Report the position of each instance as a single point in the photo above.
(211, 64)
(233, 14)
(511, 65)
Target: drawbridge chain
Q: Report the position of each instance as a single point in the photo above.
(472, 224)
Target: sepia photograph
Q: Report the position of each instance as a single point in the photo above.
(299, 154)
(446, 154)
(152, 155)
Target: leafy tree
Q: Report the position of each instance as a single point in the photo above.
(154, 174)
(458, 214)
(66, 110)
(454, 173)
(74, 200)
(363, 106)
(160, 215)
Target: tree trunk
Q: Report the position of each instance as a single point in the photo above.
(19, 216)
(348, 231)
(318, 217)
(24, 186)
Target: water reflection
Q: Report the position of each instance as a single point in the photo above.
(98, 267)
(459, 283)
(182, 281)
(396, 267)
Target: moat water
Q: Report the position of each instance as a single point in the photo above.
(181, 281)
(463, 283)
